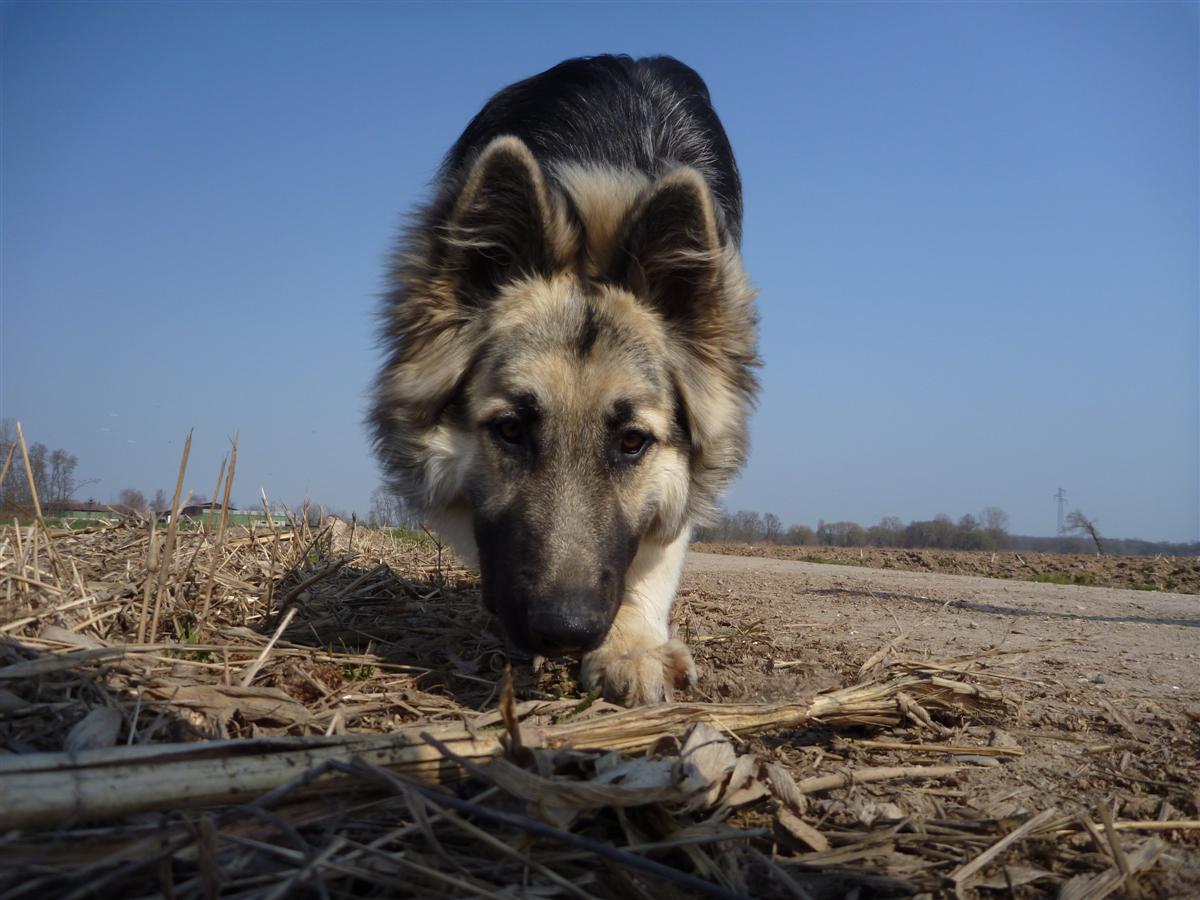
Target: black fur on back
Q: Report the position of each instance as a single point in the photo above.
(650, 115)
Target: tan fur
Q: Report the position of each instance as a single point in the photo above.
(524, 342)
(603, 198)
(537, 321)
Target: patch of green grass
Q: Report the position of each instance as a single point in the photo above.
(579, 707)
(363, 672)
(191, 635)
(1053, 578)
(1081, 578)
(408, 534)
(69, 522)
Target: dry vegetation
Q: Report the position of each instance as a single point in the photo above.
(324, 711)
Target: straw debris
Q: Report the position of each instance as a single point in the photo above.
(324, 709)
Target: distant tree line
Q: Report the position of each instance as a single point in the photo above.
(1114, 546)
(987, 531)
(391, 511)
(131, 500)
(55, 481)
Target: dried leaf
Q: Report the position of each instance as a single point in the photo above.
(10, 702)
(707, 757)
(640, 772)
(783, 786)
(796, 828)
(888, 810)
(95, 731)
(255, 704)
(1017, 876)
(554, 793)
(747, 783)
(73, 638)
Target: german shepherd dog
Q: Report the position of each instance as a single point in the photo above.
(571, 343)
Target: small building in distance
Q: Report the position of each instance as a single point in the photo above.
(211, 510)
(81, 510)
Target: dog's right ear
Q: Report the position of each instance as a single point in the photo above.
(498, 230)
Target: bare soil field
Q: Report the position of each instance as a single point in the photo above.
(1105, 683)
(325, 711)
(1180, 574)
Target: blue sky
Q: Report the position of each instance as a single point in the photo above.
(975, 228)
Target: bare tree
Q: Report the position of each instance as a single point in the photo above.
(969, 535)
(390, 511)
(888, 533)
(17, 490)
(38, 465)
(801, 535)
(53, 473)
(746, 526)
(994, 519)
(1077, 521)
(841, 534)
(772, 528)
(160, 501)
(61, 482)
(995, 528)
(9, 488)
(892, 524)
(130, 500)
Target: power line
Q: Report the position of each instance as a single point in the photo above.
(1061, 497)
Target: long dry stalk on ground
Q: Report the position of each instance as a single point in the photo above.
(45, 787)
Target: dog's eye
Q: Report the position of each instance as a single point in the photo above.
(509, 431)
(633, 442)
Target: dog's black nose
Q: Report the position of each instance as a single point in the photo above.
(566, 630)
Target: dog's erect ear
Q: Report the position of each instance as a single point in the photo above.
(670, 251)
(499, 228)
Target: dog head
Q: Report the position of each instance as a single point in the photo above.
(570, 377)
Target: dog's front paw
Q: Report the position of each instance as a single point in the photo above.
(639, 674)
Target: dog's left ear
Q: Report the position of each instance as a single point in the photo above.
(670, 251)
(499, 228)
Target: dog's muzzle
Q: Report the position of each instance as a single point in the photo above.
(578, 625)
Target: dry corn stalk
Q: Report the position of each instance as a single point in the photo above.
(40, 788)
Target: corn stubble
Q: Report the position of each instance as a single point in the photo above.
(322, 709)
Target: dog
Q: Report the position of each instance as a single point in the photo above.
(571, 345)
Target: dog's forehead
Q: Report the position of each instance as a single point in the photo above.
(569, 344)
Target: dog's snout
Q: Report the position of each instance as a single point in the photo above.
(571, 628)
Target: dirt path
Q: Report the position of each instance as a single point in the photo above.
(1103, 684)
(1140, 642)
